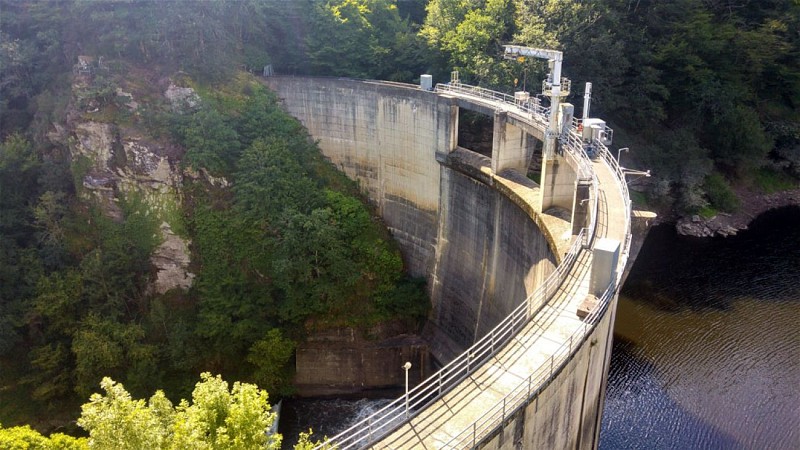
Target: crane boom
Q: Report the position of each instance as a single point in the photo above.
(541, 53)
(554, 83)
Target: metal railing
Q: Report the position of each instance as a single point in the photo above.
(390, 417)
(532, 107)
(531, 387)
(565, 87)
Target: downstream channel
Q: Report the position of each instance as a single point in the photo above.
(706, 353)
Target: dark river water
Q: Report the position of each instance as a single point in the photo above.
(706, 353)
(707, 347)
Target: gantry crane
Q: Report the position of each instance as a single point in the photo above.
(551, 87)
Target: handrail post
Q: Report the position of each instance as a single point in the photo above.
(474, 433)
(530, 384)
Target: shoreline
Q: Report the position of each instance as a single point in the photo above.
(753, 204)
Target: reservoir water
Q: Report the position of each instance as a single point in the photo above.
(706, 353)
(707, 342)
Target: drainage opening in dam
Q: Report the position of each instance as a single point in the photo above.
(475, 131)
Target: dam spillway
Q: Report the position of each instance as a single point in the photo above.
(505, 278)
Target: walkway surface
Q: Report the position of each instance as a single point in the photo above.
(527, 353)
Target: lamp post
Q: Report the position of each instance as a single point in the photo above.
(623, 149)
(406, 367)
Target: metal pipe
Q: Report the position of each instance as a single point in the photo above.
(619, 152)
(587, 100)
(406, 367)
(555, 99)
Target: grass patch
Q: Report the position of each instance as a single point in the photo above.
(720, 194)
(638, 198)
(707, 212)
(770, 180)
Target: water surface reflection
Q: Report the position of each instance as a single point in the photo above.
(708, 348)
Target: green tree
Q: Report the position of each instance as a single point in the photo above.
(211, 143)
(472, 34)
(362, 39)
(218, 417)
(271, 356)
(26, 438)
(102, 346)
(19, 264)
(116, 420)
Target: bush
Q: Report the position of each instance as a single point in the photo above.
(720, 194)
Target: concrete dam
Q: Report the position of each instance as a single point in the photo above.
(523, 274)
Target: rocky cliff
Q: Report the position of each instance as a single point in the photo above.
(115, 157)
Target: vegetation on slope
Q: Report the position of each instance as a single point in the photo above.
(289, 247)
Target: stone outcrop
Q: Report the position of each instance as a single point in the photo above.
(182, 98)
(171, 258)
(724, 224)
(116, 162)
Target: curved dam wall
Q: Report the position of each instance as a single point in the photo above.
(481, 253)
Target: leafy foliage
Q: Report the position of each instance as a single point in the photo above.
(25, 438)
(218, 417)
(720, 194)
(363, 39)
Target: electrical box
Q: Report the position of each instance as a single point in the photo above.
(522, 96)
(591, 127)
(596, 130)
(426, 82)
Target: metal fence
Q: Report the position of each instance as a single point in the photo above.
(532, 107)
(531, 387)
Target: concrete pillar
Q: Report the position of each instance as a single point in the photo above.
(604, 265)
(452, 138)
(509, 145)
(580, 205)
(557, 183)
(447, 115)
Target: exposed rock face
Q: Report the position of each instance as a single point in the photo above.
(182, 98)
(94, 141)
(119, 162)
(171, 258)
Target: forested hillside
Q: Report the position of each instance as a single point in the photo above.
(704, 92)
(120, 157)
